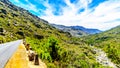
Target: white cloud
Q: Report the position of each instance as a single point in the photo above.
(17, 1)
(49, 9)
(28, 6)
(99, 18)
(104, 16)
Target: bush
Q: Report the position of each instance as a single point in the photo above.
(20, 33)
(38, 36)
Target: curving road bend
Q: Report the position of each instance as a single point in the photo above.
(7, 50)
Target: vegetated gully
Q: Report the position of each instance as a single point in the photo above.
(102, 58)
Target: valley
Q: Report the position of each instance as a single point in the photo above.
(62, 47)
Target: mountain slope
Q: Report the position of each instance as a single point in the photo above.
(56, 48)
(109, 41)
(76, 31)
(17, 22)
(87, 30)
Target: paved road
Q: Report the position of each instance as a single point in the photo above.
(7, 50)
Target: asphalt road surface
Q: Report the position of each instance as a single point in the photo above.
(7, 50)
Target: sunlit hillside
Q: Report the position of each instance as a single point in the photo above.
(107, 41)
(56, 48)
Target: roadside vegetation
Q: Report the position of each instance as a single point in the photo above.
(56, 48)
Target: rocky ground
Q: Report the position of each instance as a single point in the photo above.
(102, 58)
(42, 64)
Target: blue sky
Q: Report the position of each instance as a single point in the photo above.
(100, 14)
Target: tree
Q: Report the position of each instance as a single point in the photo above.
(53, 48)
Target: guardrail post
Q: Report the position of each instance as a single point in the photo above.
(36, 60)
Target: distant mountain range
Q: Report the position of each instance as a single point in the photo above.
(77, 30)
(57, 48)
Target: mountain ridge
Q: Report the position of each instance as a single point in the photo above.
(77, 31)
(56, 48)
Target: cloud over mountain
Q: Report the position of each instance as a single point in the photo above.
(101, 14)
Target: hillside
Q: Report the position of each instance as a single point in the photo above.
(56, 48)
(109, 41)
(77, 31)
(17, 22)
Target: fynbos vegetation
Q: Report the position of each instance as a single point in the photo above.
(56, 48)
